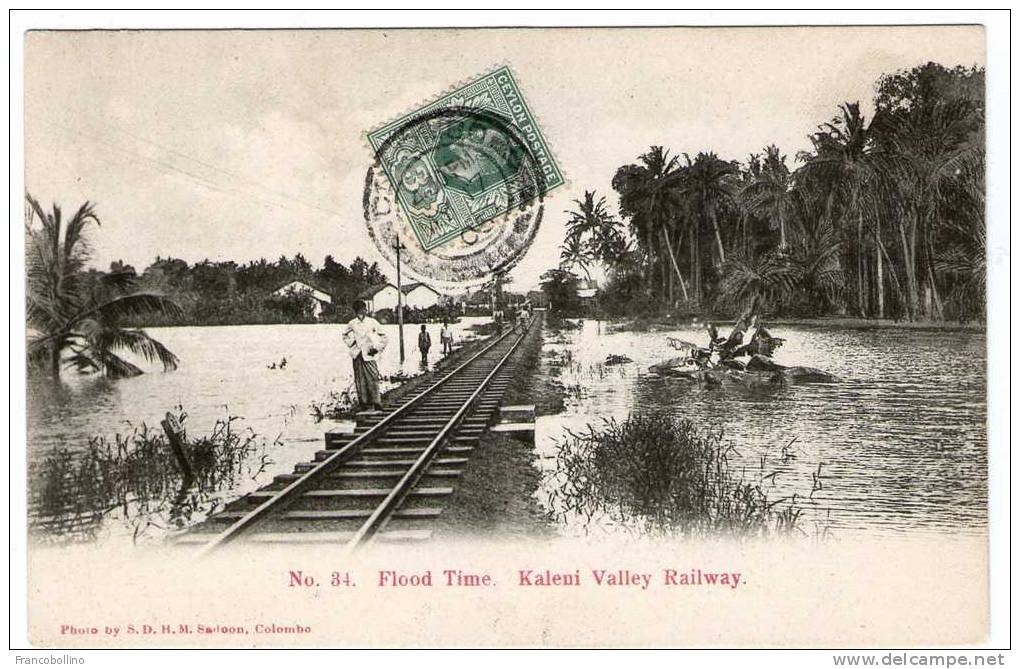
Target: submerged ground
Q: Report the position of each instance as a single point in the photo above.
(899, 445)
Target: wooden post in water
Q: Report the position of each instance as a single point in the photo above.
(176, 436)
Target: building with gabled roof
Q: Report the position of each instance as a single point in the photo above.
(420, 295)
(379, 297)
(320, 298)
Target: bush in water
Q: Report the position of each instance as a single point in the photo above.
(663, 476)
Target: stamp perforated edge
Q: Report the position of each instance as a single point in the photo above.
(461, 83)
(412, 108)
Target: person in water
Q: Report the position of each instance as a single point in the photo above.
(365, 341)
(424, 344)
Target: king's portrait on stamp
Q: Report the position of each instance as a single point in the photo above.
(463, 160)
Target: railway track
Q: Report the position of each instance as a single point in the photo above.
(386, 482)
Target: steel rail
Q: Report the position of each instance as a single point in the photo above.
(395, 498)
(302, 484)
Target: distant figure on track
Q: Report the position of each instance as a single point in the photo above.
(446, 338)
(365, 341)
(424, 344)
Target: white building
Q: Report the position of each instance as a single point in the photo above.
(416, 295)
(320, 299)
(383, 296)
(421, 296)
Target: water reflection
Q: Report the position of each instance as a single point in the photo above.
(230, 370)
(901, 441)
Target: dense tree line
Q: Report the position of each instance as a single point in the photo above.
(883, 217)
(86, 319)
(228, 293)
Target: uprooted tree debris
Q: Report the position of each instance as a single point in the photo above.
(731, 361)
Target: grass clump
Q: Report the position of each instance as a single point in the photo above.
(662, 476)
(136, 477)
(336, 405)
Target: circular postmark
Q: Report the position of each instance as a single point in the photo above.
(462, 192)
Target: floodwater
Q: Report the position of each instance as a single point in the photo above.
(224, 370)
(901, 439)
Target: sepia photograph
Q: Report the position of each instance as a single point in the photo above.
(507, 337)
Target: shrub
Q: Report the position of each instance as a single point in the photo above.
(663, 476)
(137, 476)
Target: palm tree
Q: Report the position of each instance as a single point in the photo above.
(816, 260)
(575, 253)
(650, 197)
(595, 229)
(964, 264)
(936, 158)
(711, 183)
(769, 192)
(65, 314)
(844, 161)
(767, 280)
(593, 236)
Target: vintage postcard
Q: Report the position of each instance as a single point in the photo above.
(552, 337)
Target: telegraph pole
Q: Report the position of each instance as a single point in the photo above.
(400, 302)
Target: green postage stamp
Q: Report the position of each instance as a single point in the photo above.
(471, 156)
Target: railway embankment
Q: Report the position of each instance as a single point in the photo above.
(496, 494)
(376, 481)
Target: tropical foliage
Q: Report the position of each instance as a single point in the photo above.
(229, 293)
(77, 323)
(594, 236)
(883, 217)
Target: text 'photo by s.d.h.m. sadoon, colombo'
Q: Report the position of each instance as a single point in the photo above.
(331, 333)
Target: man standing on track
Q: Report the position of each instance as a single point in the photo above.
(365, 341)
(446, 338)
(424, 344)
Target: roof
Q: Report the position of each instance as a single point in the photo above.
(369, 293)
(480, 297)
(317, 293)
(408, 287)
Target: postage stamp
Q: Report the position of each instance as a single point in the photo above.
(471, 156)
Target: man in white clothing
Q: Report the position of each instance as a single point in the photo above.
(365, 341)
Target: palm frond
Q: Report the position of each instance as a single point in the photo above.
(141, 344)
(135, 304)
(120, 280)
(116, 367)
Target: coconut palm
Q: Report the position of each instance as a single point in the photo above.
(651, 198)
(815, 257)
(711, 183)
(576, 254)
(964, 265)
(936, 159)
(67, 315)
(601, 231)
(768, 193)
(845, 164)
(767, 280)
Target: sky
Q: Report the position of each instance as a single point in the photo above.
(236, 145)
